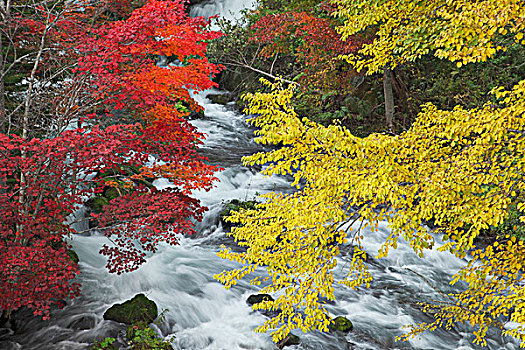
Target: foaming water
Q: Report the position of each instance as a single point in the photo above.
(229, 9)
(201, 314)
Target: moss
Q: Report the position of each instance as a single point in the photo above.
(231, 206)
(292, 339)
(138, 309)
(240, 104)
(73, 256)
(123, 169)
(341, 324)
(220, 99)
(111, 193)
(97, 203)
(236, 205)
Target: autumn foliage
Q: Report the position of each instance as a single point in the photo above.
(126, 127)
(460, 169)
(312, 41)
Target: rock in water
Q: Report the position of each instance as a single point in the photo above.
(341, 324)
(220, 99)
(138, 309)
(231, 206)
(291, 339)
(83, 322)
(257, 298)
(73, 256)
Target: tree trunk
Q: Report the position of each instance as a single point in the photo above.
(389, 99)
(3, 112)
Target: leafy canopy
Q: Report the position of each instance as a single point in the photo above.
(458, 30)
(460, 169)
(145, 137)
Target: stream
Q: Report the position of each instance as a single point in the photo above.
(200, 314)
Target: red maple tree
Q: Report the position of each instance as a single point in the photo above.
(135, 132)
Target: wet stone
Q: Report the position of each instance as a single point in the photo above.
(257, 298)
(291, 339)
(341, 324)
(83, 322)
(138, 309)
(220, 99)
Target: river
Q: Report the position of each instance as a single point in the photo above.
(200, 314)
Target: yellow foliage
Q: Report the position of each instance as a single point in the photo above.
(458, 30)
(496, 291)
(460, 168)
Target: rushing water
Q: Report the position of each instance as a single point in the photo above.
(229, 9)
(200, 314)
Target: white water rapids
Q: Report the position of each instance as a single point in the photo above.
(201, 315)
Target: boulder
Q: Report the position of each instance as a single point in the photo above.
(83, 322)
(341, 324)
(73, 256)
(290, 340)
(220, 99)
(138, 309)
(196, 115)
(97, 203)
(257, 298)
(347, 250)
(195, 2)
(240, 105)
(234, 205)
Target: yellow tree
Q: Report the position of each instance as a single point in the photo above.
(459, 30)
(460, 168)
(462, 31)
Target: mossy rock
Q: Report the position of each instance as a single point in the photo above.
(123, 169)
(220, 99)
(240, 104)
(234, 205)
(258, 298)
(195, 2)
(291, 339)
(341, 324)
(196, 115)
(73, 256)
(97, 203)
(112, 193)
(138, 309)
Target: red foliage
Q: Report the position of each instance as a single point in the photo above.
(117, 64)
(311, 40)
(121, 56)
